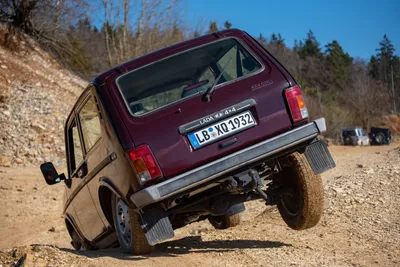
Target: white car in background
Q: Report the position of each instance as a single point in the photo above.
(354, 136)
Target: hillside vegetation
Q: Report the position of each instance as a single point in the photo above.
(50, 49)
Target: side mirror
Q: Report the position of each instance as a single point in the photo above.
(50, 174)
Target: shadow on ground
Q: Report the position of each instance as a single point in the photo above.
(192, 244)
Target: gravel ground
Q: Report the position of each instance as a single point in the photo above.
(360, 226)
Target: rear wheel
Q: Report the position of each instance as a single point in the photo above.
(379, 138)
(348, 141)
(230, 219)
(130, 235)
(301, 199)
(224, 221)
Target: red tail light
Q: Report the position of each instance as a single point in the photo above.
(297, 107)
(144, 163)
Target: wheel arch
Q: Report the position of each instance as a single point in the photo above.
(106, 190)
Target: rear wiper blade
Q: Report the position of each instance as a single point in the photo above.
(207, 94)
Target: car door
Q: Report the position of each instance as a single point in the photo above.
(91, 223)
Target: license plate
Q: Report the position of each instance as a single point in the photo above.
(221, 129)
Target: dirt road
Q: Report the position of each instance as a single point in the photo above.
(360, 227)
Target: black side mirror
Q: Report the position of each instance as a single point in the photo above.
(50, 174)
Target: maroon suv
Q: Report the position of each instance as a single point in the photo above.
(188, 133)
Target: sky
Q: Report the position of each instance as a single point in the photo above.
(357, 25)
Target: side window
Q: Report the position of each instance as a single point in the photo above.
(90, 123)
(238, 63)
(75, 149)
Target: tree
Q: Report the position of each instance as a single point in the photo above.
(262, 40)
(385, 57)
(227, 25)
(365, 97)
(213, 27)
(385, 68)
(338, 64)
(277, 39)
(310, 47)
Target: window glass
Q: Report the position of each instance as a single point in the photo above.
(90, 123)
(75, 147)
(179, 76)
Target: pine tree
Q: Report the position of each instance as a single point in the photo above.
(380, 65)
(227, 25)
(310, 47)
(277, 39)
(338, 64)
(384, 65)
(262, 40)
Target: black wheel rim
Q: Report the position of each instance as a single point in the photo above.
(290, 197)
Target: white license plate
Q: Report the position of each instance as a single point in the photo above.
(221, 129)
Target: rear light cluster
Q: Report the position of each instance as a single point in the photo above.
(297, 107)
(144, 163)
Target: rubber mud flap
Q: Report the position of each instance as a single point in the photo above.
(156, 225)
(318, 156)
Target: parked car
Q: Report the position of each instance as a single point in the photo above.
(354, 136)
(189, 133)
(380, 136)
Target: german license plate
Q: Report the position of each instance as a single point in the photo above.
(221, 129)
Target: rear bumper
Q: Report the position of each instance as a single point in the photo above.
(227, 164)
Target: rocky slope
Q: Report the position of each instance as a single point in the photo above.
(36, 95)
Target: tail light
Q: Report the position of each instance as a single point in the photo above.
(144, 163)
(297, 107)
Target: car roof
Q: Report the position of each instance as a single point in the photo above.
(176, 48)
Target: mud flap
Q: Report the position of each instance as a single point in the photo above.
(156, 225)
(318, 156)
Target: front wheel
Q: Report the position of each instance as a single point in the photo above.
(126, 223)
(301, 199)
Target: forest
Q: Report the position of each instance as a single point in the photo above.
(89, 37)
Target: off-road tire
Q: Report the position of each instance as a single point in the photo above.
(224, 221)
(76, 242)
(348, 141)
(138, 243)
(307, 193)
(380, 139)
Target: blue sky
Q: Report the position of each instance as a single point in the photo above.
(357, 25)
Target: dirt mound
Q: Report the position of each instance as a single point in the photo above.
(36, 96)
(38, 255)
(392, 122)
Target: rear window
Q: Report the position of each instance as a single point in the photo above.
(351, 133)
(186, 74)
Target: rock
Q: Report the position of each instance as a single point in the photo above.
(7, 113)
(5, 161)
(360, 166)
(19, 161)
(4, 67)
(338, 190)
(52, 229)
(38, 84)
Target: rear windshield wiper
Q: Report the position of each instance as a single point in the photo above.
(207, 94)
